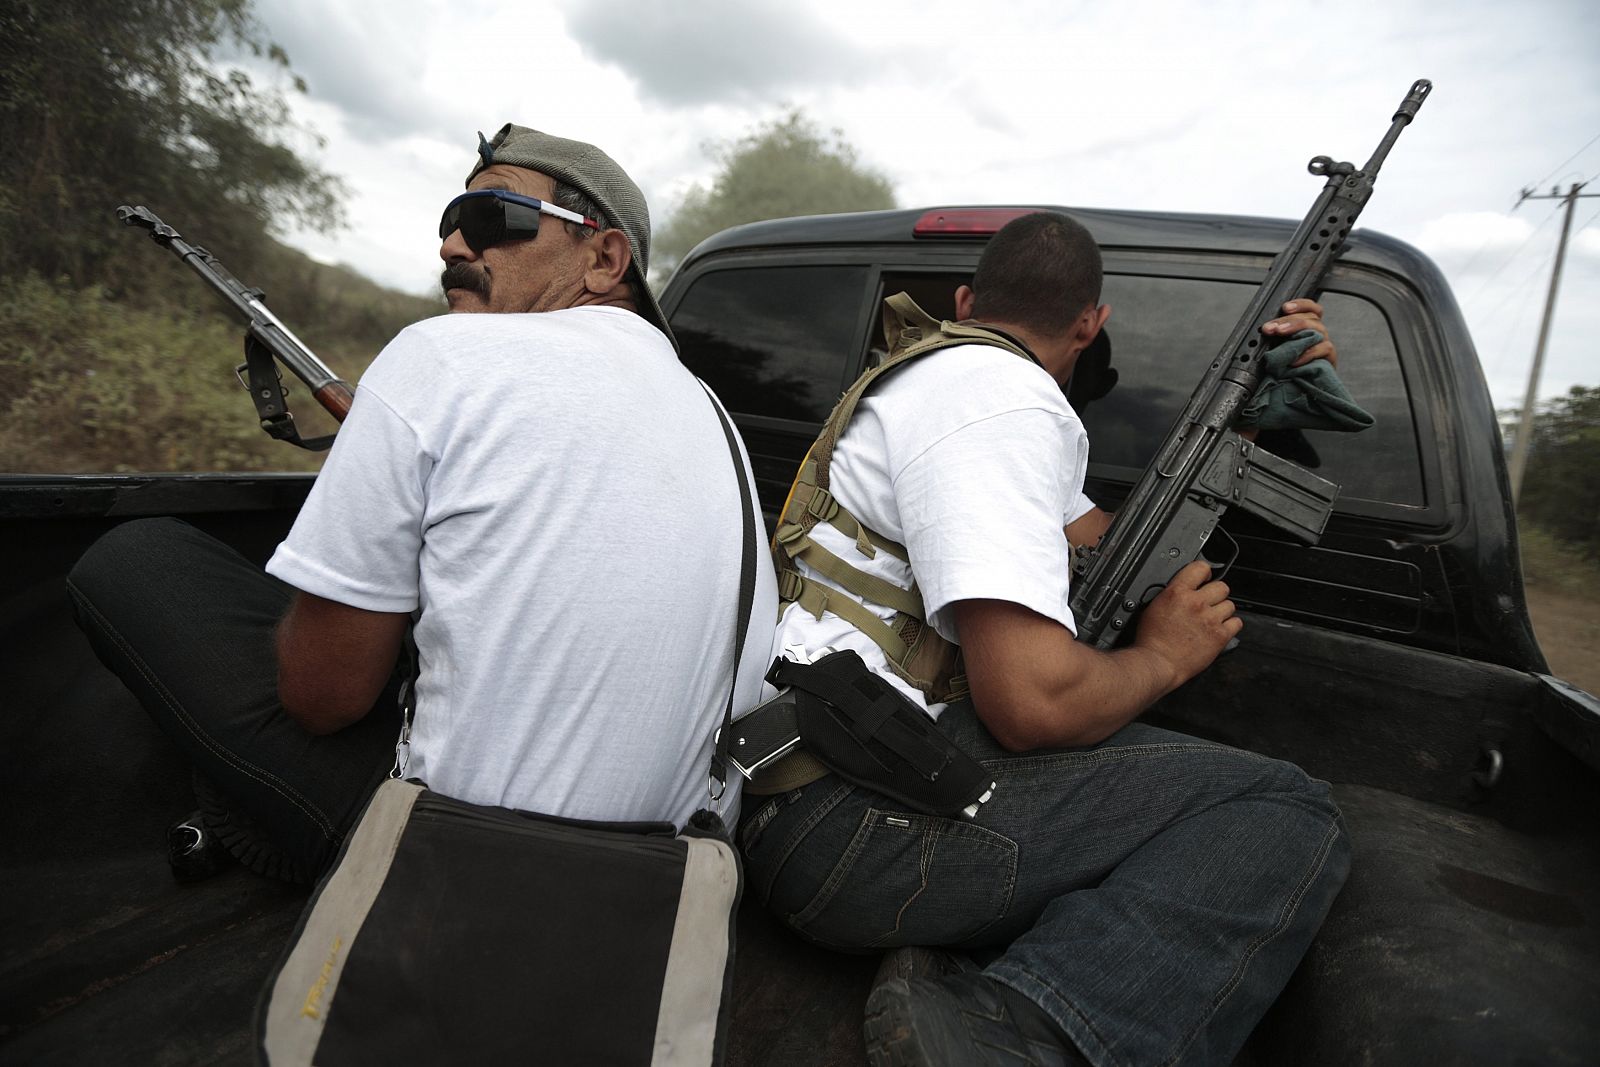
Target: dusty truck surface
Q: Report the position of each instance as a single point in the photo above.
(1394, 658)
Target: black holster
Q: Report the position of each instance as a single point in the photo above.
(866, 731)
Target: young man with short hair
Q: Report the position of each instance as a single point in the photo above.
(1148, 894)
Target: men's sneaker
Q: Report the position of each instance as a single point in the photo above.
(193, 849)
(922, 961)
(961, 1020)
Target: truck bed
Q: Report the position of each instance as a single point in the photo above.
(1469, 931)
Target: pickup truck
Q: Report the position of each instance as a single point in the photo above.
(1394, 658)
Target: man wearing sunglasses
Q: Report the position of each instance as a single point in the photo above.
(518, 484)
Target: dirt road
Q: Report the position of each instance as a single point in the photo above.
(1568, 628)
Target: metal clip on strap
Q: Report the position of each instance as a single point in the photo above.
(259, 374)
(408, 704)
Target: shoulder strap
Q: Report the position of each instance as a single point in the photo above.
(747, 596)
(915, 652)
(911, 333)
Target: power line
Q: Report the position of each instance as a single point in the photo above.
(1484, 247)
(1564, 162)
(1508, 260)
(1506, 327)
(1511, 292)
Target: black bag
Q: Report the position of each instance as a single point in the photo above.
(450, 932)
(454, 933)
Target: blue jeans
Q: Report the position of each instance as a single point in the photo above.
(1153, 893)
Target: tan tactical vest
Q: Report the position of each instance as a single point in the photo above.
(915, 650)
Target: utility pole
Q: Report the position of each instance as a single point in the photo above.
(1519, 449)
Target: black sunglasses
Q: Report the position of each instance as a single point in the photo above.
(487, 217)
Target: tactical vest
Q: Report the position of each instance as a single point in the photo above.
(915, 651)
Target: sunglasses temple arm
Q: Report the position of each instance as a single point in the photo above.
(265, 336)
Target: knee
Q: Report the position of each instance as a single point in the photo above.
(1314, 797)
(113, 568)
(1311, 794)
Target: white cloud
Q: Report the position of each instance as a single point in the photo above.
(369, 67)
(1586, 244)
(1145, 105)
(704, 52)
(1472, 231)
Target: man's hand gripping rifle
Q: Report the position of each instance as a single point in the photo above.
(266, 338)
(1203, 466)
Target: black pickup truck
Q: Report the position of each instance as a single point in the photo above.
(1395, 659)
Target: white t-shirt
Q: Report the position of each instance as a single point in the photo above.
(555, 493)
(972, 458)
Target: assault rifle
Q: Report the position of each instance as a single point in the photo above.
(266, 338)
(1203, 466)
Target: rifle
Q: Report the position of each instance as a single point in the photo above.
(265, 338)
(1203, 466)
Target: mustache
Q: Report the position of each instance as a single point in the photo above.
(465, 276)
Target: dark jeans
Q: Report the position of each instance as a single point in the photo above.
(187, 624)
(1152, 893)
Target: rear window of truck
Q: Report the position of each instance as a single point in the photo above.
(1163, 331)
(773, 341)
(783, 341)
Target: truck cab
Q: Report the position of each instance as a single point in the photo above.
(1394, 659)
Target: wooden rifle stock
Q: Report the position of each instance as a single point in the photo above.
(336, 398)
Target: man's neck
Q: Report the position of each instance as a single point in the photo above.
(619, 297)
(1056, 355)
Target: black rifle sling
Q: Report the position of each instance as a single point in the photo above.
(259, 373)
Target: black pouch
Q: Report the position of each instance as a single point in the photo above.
(456, 933)
(866, 731)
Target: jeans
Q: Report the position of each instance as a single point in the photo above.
(187, 624)
(1153, 893)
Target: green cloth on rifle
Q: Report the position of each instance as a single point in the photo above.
(1309, 397)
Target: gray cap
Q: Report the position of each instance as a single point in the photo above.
(595, 175)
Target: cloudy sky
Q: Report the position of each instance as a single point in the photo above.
(1140, 104)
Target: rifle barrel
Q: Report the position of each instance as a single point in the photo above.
(1103, 599)
(334, 394)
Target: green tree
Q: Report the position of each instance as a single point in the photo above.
(785, 167)
(1561, 488)
(113, 356)
(115, 101)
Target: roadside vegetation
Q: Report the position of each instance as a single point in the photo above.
(1561, 488)
(1558, 520)
(1556, 565)
(113, 356)
(1563, 587)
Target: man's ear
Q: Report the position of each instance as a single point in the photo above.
(965, 299)
(1090, 323)
(608, 260)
